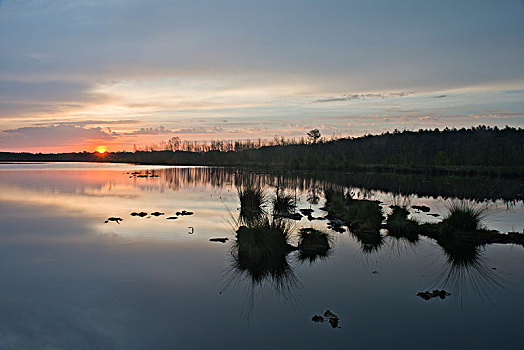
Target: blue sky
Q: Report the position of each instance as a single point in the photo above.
(75, 74)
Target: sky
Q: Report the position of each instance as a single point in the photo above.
(75, 75)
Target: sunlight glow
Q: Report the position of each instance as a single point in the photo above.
(101, 149)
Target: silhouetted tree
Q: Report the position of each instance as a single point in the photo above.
(313, 135)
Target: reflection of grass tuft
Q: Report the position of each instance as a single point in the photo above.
(370, 241)
(260, 256)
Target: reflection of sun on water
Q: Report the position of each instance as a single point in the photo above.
(101, 149)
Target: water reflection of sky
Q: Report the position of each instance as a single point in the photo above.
(71, 281)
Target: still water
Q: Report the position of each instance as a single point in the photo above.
(72, 281)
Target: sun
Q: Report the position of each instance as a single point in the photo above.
(101, 149)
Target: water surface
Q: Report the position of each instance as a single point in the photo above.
(70, 280)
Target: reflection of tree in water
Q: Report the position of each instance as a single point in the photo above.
(466, 270)
(430, 186)
(313, 195)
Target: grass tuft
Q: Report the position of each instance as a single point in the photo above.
(463, 216)
(313, 245)
(261, 248)
(283, 203)
(399, 225)
(252, 203)
(359, 214)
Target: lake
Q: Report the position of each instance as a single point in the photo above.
(72, 281)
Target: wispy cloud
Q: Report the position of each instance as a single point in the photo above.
(365, 96)
(84, 123)
(150, 131)
(56, 136)
(187, 67)
(39, 56)
(201, 130)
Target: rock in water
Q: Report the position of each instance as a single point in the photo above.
(333, 321)
(437, 293)
(329, 313)
(117, 220)
(221, 240)
(332, 318)
(422, 208)
(317, 318)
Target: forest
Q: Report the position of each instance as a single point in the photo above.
(473, 151)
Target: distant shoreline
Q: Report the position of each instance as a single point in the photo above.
(466, 171)
(479, 151)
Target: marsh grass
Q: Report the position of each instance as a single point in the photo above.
(359, 214)
(260, 257)
(463, 216)
(252, 203)
(313, 245)
(399, 200)
(332, 192)
(260, 250)
(399, 225)
(283, 203)
(364, 215)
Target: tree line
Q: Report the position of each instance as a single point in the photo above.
(482, 148)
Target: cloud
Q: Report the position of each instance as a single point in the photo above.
(64, 61)
(84, 123)
(23, 99)
(47, 91)
(52, 136)
(39, 56)
(201, 130)
(150, 131)
(364, 96)
(506, 115)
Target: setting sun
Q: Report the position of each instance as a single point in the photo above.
(101, 149)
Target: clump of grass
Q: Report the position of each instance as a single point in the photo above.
(331, 193)
(313, 244)
(399, 225)
(312, 239)
(260, 255)
(252, 203)
(271, 235)
(463, 216)
(364, 215)
(261, 250)
(359, 214)
(283, 203)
